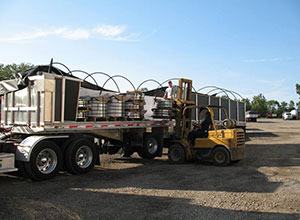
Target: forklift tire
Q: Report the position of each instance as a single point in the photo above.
(150, 147)
(177, 154)
(220, 156)
(45, 162)
(80, 156)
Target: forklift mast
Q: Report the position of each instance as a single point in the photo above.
(184, 99)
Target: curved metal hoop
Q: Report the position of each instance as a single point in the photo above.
(89, 75)
(223, 90)
(148, 80)
(120, 76)
(58, 63)
(101, 73)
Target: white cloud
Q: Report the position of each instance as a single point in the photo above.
(115, 33)
(110, 30)
(103, 32)
(32, 35)
(76, 34)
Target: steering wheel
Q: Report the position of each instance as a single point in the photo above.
(196, 125)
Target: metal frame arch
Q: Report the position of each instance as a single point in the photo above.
(58, 63)
(238, 94)
(102, 73)
(120, 76)
(215, 88)
(222, 91)
(206, 87)
(148, 80)
(230, 91)
(81, 71)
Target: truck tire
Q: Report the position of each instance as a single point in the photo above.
(177, 154)
(150, 147)
(21, 169)
(80, 156)
(45, 162)
(220, 156)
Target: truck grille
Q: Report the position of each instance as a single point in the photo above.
(240, 138)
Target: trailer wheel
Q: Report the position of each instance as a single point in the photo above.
(177, 154)
(45, 161)
(150, 147)
(220, 156)
(80, 156)
(21, 169)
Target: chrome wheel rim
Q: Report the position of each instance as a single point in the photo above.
(46, 161)
(84, 156)
(152, 145)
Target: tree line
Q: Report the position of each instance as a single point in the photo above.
(10, 70)
(263, 106)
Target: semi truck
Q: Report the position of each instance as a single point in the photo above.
(41, 133)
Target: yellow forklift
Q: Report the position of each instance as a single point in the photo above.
(220, 143)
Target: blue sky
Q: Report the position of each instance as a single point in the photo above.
(250, 47)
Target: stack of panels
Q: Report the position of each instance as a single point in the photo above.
(98, 108)
(163, 109)
(134, 106)
(83, 107)
(116, 107)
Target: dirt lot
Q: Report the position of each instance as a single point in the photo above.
(266, 185)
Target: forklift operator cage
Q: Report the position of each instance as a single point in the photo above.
(210, 108)
(47, 99)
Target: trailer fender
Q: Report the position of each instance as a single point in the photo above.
(24, 149)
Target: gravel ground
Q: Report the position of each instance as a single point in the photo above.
(265, 185)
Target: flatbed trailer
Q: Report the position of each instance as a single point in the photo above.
(41, 133)
(22, 143)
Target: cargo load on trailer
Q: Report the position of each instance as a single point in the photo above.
(52, 119)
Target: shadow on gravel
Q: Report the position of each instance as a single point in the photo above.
(99, 203)
(160, 174)
(250, 135)
(272, 155)
(194, 175)
(253, 129)
(261, 134)
(130, 206)
(266, 122)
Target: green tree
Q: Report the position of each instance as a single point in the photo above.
(273, 106)
(248, 104)
(259, 104)
(298, 105)
(283, 108)
(291, 105)
(144, 89)
(298, 89)
(8, 71)
(298, 92)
